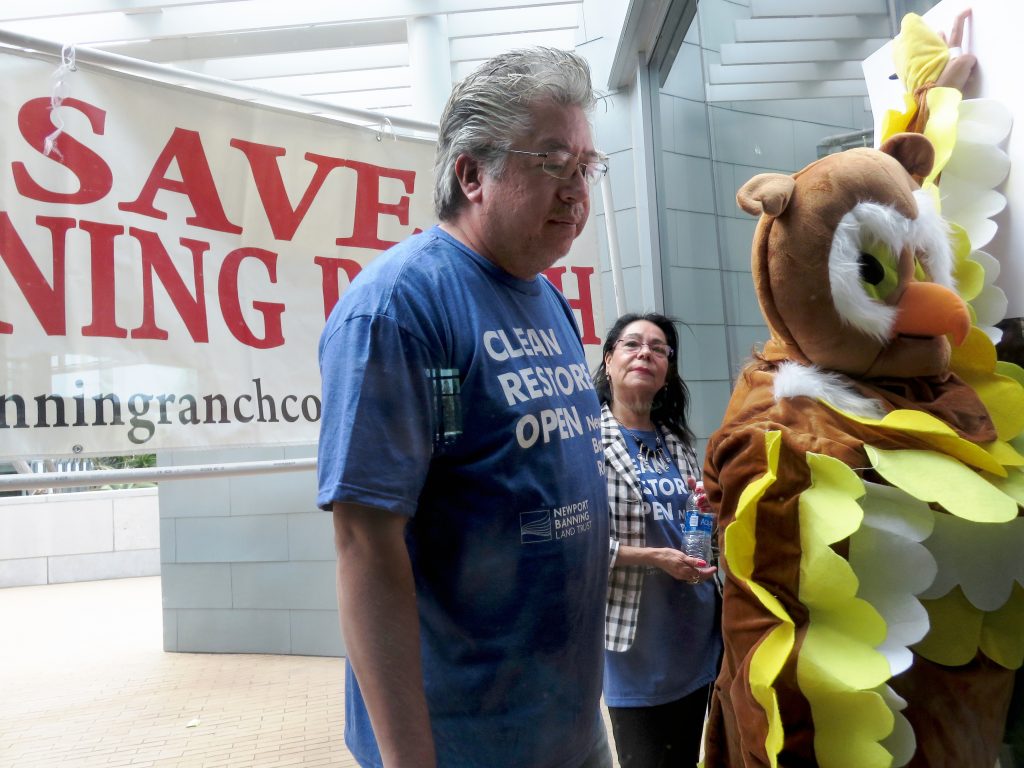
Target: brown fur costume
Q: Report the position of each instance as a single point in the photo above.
(956, 712)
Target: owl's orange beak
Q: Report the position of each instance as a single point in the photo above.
(929, 309)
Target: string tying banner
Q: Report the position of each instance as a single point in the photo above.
(58, 93)
(385, 129)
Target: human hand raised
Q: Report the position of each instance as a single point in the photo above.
(961, 62)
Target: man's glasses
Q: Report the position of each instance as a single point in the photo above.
(562, 165)
(633, 346)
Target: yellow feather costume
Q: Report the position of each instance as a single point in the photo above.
(869, 480)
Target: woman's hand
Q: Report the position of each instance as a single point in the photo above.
(681, 566)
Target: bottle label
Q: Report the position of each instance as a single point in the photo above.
(706, 522)
(692, 521)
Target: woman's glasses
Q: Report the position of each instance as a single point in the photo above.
(656, 348)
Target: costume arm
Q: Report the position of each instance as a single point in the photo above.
(380, 625)
(743, 483)
(786, 496)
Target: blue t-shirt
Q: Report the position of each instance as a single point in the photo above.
(458, 395)
(677, 643)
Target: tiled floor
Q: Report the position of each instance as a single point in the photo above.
(84, 682)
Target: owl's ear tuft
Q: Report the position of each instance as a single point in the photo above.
(766, 193)
(913, 151)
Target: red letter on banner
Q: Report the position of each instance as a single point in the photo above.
(283, 219)
(230, 301)
(585, 302)
(156, 261)
(104, 285)
(368, 205)
(94, 176)
(196, 184)
(329, 278)
(48, 303)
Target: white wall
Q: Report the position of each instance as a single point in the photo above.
(65, 537)
(248, 562)
(707, 151)
(676, 163)
(624, 131)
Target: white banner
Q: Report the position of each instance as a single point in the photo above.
(166, 270)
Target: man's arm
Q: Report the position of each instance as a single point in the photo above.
(380, 624)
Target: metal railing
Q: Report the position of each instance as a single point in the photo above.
(841, 141)
(102, 477)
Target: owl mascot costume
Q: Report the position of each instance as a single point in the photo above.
(868, 480)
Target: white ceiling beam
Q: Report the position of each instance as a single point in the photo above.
(375, 100)
(392, 111)
(462, 68)
(263, 42)
(640, 32)
(137, 68)
(485, 47)
(245, 15)
(220, 18)
(802, 90)
(335, 82)
(301, 63)
(500, 22)
(768, 8)
(38, 9)
(814, 50)
(383, 9)
(811, 28)
(775, 73)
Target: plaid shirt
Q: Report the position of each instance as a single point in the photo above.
(625, 504)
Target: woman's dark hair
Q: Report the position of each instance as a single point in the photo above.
(670, 404)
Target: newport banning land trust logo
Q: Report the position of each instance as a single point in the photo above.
(558, 523)
(535, 526)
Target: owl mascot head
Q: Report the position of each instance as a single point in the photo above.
(868, 481)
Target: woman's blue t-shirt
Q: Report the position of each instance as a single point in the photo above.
(677, 643)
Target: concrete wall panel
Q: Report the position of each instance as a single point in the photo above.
(82, 536)
(231, 539)
(311, 536)
(309, 585)
(316, 633)
(104, 565)
(233, 631)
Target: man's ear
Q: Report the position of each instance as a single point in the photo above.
(469, 173)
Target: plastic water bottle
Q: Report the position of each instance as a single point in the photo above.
(698, 524)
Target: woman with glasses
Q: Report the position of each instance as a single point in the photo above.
(662, 638)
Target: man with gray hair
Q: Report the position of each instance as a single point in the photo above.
(460, 449)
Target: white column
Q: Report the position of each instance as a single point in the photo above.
(431, 65)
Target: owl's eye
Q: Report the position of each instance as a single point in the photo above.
(877, 271)
(871, 270)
